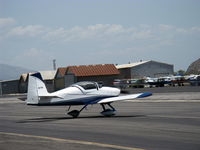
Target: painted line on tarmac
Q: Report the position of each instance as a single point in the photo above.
(72, 141)
(164, 101)
(10, 102)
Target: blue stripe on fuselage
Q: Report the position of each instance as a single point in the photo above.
(79, 101)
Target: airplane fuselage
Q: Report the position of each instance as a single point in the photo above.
(76, 95)
(82, 93)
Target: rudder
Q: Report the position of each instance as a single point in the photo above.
(36, 88)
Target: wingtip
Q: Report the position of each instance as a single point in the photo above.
(145, 95)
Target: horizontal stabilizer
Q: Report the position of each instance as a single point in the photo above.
(126, 97)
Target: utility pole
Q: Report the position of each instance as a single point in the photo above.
(54, 64)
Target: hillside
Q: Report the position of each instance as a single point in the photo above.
(8, 72)
(194, 67)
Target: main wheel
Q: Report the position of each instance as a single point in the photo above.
(74, 113)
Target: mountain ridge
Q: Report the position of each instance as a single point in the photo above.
(194, 67)
(9, 72)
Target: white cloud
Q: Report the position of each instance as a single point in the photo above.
(100, 32)
(6, 22)
(99, 40)
(192, 30)
(92, 32)
(195, 29)
(33, 52)
(105, 36)
(142, 35)
(144, 26)
(33, 57)
(164, 27)
(30, 30)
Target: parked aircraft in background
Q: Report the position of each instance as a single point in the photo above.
(82, 93)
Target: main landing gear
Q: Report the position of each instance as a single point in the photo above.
(108, 112)
(75, 113)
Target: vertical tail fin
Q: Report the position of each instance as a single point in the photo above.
(36, 88)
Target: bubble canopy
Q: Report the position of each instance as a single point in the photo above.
(88, 85)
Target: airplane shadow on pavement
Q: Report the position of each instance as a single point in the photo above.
(50, 119)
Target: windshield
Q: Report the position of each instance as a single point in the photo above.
(88, 85)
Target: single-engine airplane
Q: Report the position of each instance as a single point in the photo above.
(82, 93)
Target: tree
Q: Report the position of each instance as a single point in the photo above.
(180, 72)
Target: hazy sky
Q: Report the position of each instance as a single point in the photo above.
(81, 32)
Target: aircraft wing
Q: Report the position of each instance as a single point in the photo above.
(126, 97)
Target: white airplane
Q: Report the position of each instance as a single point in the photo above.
(82, 93)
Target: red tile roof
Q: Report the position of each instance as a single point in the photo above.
(62, 71)
(93, 70)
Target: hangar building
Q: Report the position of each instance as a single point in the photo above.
(102, 73)
(47, 76)
(9, 87)
(60, 78)
(145, 69)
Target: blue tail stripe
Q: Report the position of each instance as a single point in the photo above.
(37, 75)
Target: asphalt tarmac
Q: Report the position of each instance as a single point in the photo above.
(165, 121)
